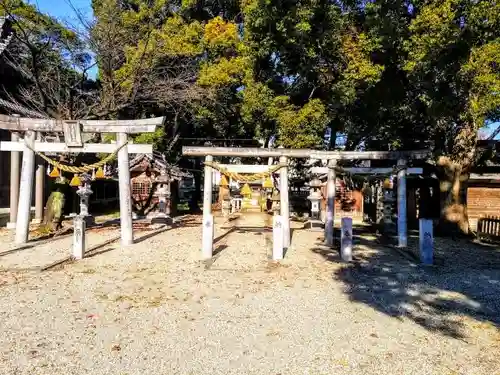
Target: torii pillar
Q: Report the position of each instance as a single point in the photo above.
(15, 157)
(330, 203)
(284, 204)
(39, 191)
(402, 214)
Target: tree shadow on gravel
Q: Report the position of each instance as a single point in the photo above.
(434, 297)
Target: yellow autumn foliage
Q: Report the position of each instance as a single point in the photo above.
(219, 33)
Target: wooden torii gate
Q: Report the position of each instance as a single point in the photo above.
(284, 154)
(72, 130)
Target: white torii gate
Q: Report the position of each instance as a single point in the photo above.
(73, 143)
(401, 177)
(283, 155)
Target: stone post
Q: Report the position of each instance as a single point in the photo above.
(402, 216)
(330, 202)
(25, 190)
(208, 219)
(14, 183)
(78, 237)
(127, 235)
(426, 240)
(39, 188)
(346, 240)
(284, 202)
(277, 237)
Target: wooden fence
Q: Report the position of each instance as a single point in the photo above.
(488, 228)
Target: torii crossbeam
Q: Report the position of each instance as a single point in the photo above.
(73, 143)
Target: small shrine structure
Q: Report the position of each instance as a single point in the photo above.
(154, 183)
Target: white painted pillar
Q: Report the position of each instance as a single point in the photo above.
(126, 228)
(346, 239)
(277, 237)
(426, 241)
(330, 203)
(78, 237)
(208, 219)
(15, 157)
(284, 202)
(25, 190)
(39, 187)
(402, 219)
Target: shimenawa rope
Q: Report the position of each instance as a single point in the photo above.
(75, 170)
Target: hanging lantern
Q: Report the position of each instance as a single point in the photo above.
(99, 173)
(48, 170)
(267, 183)
(75, 181)
(245, 190)
(55, 172)
(223, 181)
(93, 174)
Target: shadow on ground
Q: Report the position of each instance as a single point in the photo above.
(438, 298)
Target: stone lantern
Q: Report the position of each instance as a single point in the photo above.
(162, 216)
(84, 191)
(315, 198)
(226, 205)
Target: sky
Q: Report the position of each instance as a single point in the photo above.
(62, 8)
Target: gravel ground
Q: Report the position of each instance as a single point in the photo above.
(32, 256)
(154, 308)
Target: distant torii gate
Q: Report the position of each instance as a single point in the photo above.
(73, 143)
(284, 154)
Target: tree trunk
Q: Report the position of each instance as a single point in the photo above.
(453, 187)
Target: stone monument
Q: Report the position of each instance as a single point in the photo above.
(346, 239)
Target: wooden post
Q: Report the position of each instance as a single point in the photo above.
(39, 187)
(25, 190)
(78, 237)
(127, 234)
(208, 219)
(330, 203)
(284, 203)
(346, 239)
(14, 183)
(402, 217)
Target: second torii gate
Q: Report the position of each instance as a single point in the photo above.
(283, 155)
(73, 143)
